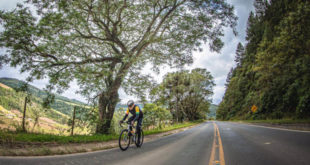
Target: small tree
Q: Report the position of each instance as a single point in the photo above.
(82, 117)
(36, 115)
(240, 53)
(155, 115)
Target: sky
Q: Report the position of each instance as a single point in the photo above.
(218, 64)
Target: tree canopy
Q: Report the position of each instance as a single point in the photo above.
(100, 43)
(186, 93)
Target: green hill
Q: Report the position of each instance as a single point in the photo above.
(61, 104)
(11, 109)
(38, 119)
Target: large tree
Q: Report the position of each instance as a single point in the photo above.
(104, 44)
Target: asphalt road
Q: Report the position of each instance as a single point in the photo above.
(217, 143)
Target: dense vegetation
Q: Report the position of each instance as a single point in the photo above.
(273, 69)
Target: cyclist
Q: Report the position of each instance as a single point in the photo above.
(137, 115)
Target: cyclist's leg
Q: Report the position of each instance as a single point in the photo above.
(138, 128)
(130, 120)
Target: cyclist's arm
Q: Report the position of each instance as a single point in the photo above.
(137, 113)
(126, 115)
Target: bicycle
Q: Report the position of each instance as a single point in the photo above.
(126, 137)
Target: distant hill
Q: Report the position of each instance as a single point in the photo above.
(124, 106)
(11, 110)
(61, 104)
(213, 109)
(38, 119)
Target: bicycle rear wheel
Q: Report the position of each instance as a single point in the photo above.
(141, 139)
(124, 140)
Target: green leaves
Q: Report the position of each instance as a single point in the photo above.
(186, 92)
(155, 114)
(95, 42)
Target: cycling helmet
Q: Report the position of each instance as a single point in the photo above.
(130, 103)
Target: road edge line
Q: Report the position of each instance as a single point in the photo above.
(276, 128)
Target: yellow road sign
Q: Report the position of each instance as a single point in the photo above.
(254, 108)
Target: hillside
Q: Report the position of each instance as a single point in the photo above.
(272, 70)
(53, 120)
(61, 104)
(11, 108)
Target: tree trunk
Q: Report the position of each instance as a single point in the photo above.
(24, 114)
(177, 110)
(107, 104)
(109, 99)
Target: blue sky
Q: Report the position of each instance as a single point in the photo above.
(218, 64)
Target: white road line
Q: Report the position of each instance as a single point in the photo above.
(282, 129)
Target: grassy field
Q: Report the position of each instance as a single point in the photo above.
(12, 137)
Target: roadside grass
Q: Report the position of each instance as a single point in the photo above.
(15, 137)
(61, 139)
(276, 121)
(170, 128)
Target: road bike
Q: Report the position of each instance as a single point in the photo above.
(129, 135)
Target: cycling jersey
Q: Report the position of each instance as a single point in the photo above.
(136, 113)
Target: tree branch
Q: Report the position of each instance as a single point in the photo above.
(113, 59)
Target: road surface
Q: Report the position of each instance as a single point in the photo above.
(211, 143)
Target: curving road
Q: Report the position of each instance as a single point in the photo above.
(212, 143)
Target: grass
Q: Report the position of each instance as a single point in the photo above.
(11, 137)
(277, 121)
(31, 137)
(169, 128)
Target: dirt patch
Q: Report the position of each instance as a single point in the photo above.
(4, 86)
(17, 113)
(40, 149)
(50, 121)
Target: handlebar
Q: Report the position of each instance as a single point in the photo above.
(127, 122)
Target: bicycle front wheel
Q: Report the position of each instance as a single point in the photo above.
(124, 140)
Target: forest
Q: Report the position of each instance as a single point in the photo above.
(272, 71)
